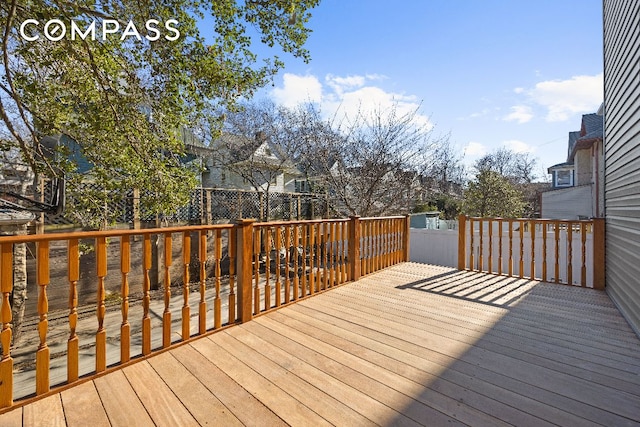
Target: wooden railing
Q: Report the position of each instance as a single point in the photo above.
(559, 251)
(221, 274)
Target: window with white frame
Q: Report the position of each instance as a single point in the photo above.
(564, 178)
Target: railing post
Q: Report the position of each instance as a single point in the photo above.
(405, 238)
(598, 253)
(462, 241)
(354, 248)
(244, 252)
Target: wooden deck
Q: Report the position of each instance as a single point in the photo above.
(411, 345)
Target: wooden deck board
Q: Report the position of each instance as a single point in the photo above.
(410, 345)
(74, 402)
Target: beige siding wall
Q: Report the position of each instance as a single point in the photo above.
(568, 203)
(622, 155)
(584, 167)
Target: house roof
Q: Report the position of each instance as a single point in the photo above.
(591, 130)
(565, 165)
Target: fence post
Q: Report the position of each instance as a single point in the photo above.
(354, 248)
(405, 238)
(462, 242)
(598, 253)
(244, 252)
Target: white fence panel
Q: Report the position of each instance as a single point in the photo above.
(436, 247)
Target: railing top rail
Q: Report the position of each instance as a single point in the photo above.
(542, 220)
(309, 221)
(109, 233)
(373, 218)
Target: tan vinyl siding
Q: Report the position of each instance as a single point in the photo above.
(568, 203)
(622, 155)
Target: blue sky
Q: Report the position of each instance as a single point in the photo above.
(492, 73)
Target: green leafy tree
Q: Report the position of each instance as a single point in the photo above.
(492, 195)
(123, 97)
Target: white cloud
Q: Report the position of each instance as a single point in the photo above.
(518, 146)
(475, 149)
(520, 114)
(518, 90)
(346, 96)
(297, 89)
(564, 98)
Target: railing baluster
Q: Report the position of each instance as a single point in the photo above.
(231, 247)
(166, 314)
(521, 263)
(278, 243)
(556, 233)
(287, 279)
(73, 262)
(267, 268)
(532, 224)
(510, 248)
(296, 254)
(319, 258)
(42, 355)
(186, 310)
(6, 362)
(312, 255)
(303, 288)
(583, 270)
(256, 269)
(500, 246)
(125, 327)
(146, 296)
(490, 258)
(570, 253)
(345, 248)
(101, 334)
(325, 256)
(217, 301)
(545, 229)
(202, 260)
(481, 257)
(472, 251)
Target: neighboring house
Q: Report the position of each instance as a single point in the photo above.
(622, 156)
(236, 162)
(577, 189)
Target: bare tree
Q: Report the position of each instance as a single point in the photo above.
(370, 164)
(257, 148)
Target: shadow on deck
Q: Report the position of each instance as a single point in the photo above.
(410, 345)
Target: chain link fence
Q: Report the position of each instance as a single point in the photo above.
(206, 205)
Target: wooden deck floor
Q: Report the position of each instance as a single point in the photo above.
(411, 345)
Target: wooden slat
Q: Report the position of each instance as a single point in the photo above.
(125, 327)
(73, 270)
(146, 296)
(12, 418)
(166, 314)
(42, 355)
(186, 310)
(163, 406)
(116, 393)
(217, 301)
(249, 410)
(232, 271)
(290, 410)
(6, 361)
(201, 403)
(101, 333)
(44, 412)
(83, 407)
(202, 260)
